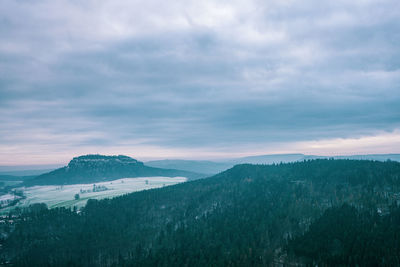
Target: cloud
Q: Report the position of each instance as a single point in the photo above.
(85, 76)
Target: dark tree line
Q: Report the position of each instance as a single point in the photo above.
(344, 236)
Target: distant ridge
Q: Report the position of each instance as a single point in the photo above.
(202, 166)
(28, 170)
(270, 159)
(378, 157)
(214, 167)
(278, 158)
(97, 168)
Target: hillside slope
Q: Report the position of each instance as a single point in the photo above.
(245, 216)
(98, 168)
(345, 236)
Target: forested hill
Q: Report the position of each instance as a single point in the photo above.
(98, 168)
(250, 215)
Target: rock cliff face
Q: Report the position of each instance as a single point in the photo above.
(97, 168)
(95, 161)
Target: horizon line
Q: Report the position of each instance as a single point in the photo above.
(147, 159)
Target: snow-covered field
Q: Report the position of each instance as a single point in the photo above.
(64, 196)
(7, 197)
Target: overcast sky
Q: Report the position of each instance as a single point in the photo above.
(197, 79)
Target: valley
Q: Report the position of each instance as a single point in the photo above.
(76, 195)
(86, 177)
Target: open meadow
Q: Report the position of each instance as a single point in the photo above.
(78, 194)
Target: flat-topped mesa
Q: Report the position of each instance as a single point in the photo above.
(100, 168)
(92, 160)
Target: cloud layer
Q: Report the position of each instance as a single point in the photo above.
(195, 78)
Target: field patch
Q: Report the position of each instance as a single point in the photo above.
(78, 194)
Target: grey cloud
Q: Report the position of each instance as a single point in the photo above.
(332, 71)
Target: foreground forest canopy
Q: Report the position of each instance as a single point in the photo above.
(325, 212)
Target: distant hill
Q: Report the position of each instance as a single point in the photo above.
(269, 159)
(97, 168)
(14, 178)
(201, 166)
(319, 212)
(28, 170)
(214, 167)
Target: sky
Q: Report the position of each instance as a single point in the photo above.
(197, 79)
